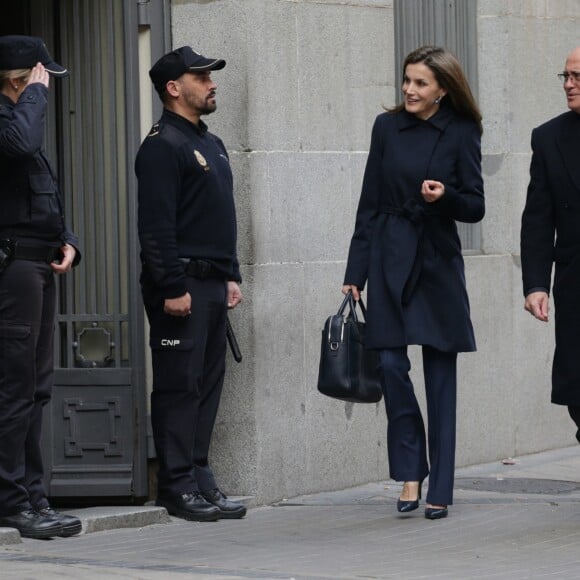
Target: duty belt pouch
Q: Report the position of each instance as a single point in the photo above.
(6, 254)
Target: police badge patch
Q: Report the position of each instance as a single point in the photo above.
(201, 160)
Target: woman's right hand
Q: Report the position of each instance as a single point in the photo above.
(351, 288)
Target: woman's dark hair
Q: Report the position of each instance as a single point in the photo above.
(450, 76)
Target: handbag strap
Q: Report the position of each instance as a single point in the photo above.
(352, 303)
(362, 307)
(346, 301)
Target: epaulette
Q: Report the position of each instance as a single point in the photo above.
(154, 130)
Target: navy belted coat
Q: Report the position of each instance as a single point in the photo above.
(409, 250)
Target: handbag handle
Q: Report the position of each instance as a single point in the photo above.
(349, 299)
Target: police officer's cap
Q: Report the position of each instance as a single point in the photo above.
(171, 66)
(17, 51)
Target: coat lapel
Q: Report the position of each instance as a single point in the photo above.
(440, 121)
(568, 143)
(430, 140)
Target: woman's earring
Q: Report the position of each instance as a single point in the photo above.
(437, 100)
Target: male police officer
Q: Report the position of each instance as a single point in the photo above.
(34, 245)
(190, 275)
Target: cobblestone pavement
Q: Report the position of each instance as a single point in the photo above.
(509, 521)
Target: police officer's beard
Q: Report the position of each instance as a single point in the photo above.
(202, 106)
(206, 107)
(210, 107)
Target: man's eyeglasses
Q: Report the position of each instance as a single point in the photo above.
(574, 75)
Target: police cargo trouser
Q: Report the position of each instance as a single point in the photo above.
(27, 309)
(188, 356)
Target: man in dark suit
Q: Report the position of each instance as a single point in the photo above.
(551, 233)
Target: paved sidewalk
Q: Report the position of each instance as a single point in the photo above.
(519, 521)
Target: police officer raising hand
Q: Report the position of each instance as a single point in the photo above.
(38, 74)
(35, 243)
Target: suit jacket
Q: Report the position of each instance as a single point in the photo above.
(409, 250)
(550, 234)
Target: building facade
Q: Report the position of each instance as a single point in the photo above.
(303, 83)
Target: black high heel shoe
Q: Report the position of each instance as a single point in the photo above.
(436, 513)
(405, 506)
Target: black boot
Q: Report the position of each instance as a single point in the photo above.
(189, 506)
(31, 524)
(71, 525)
(228, 509)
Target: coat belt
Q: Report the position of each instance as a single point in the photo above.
(426, 226)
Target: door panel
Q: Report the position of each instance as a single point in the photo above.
(95, 426)
(94, 456)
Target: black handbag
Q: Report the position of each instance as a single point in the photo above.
(347, 370)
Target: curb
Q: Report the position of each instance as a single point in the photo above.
(9, 536)
(99, 519)
(103, 518)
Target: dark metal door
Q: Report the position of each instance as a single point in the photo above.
(95, 428)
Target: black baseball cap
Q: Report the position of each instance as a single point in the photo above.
(18, 51)
(172, 65)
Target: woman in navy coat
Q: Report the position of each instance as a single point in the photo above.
(423, 174)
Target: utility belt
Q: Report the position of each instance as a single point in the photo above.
(201, 269)
(15, 250)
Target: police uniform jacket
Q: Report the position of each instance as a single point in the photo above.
(409, 250)
(30, 207)
(551, 234)
(186, 205)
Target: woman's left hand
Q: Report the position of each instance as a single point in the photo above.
(432, 190)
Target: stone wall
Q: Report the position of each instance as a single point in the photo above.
(303, 83)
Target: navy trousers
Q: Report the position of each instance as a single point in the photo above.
(188, 356)
(407, 447)
(27, 311)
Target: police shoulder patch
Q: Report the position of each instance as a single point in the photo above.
(154, 130)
